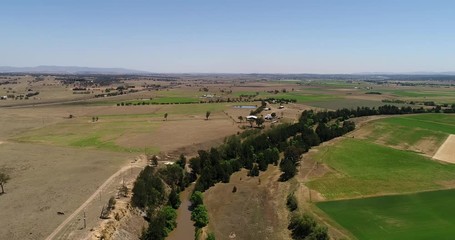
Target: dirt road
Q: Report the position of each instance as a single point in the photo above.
(140, 163)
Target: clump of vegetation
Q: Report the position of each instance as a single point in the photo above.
(291, 202)
(200, 216)
(210, 236)
(107, 209)
(150, 194)
(304, 227)
(4, 178)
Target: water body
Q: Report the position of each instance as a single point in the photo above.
(185, 229)
(245, 106)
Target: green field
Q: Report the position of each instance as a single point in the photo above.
(422, 93)
(81, 132)
(426, 215)
(409, 130)
(348, 103)
(162, 100)
(361, 168)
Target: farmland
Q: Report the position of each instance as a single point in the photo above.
(420, 133)
(379, 183)
(87, 137)
(359, 169)
(425, 215)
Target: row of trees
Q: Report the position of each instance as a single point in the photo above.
(199, 215)
(156, 193)
(256, 151)
(303, 226)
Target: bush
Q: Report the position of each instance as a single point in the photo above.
(304, 227)
(291, 202)
(210, 236)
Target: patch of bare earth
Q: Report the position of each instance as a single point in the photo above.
(171, 135)
(446, 152)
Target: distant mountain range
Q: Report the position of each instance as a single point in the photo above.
(405, 73)
(69, 70)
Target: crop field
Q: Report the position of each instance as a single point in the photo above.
(360, 168)
(426, 215)
(377, 187)
(421, 133)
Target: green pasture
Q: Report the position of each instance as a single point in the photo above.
(348, 103)
(425, 215)
(299, 96)
(160, 100)
(411, 129)
(361, 168)
(422, 93)
(82, 132)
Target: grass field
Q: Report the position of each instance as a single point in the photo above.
(426, 215)
(160, 100)
(422, 133)
(81, 132)
(361, 168)
(347, 103)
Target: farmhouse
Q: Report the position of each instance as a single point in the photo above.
(251, 117)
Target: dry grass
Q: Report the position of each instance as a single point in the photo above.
(256, 211)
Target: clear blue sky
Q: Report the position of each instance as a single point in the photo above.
(303, 36)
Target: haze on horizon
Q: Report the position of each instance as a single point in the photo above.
(231, 36)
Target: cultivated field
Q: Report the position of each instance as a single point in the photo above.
(357, 168)
(426, 215)
(422, 133)
(388, 156)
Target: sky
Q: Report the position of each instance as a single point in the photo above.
(231, 36)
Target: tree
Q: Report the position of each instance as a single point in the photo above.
(165, 116)
(210, 236)
(155, 160)
(174, 199)
(240, 118)
(182, 161)
(291, 202)
(288, 168)
(170, 215)
(301, 226)
(4, 178)
(254, 171)
(260, 121)
(157, 228)
(196, 199)
(200, 216)
(207, 115)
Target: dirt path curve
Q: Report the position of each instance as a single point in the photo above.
(140, 163)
